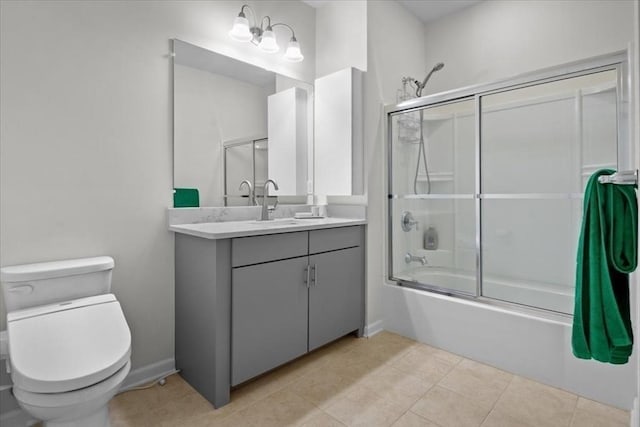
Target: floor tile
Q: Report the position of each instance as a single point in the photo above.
(322, 387)
(280, 409)
(449, 409)
(353, 364)
(500, 419)
(424, 364)
(322, 419)
(477, 381)
(593, 414)
(175, 411)
(370, 382)
(537, 404)
(396, 385)
(599, 410)
(409, 419)
(361, 406)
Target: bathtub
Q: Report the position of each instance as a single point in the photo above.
(530, 343)
(534, 294)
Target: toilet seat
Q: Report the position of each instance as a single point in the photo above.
(67, 346)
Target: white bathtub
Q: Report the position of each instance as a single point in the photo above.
(534, 294)
(525, 343)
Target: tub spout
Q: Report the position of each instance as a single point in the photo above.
(408, 258)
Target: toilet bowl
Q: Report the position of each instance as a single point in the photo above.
(68, 357)
(84, 407)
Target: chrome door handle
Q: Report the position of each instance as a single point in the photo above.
(314, 280)
(307, 273)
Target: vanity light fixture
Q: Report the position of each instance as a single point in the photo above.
(263, 36)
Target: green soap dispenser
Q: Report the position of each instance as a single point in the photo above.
(431, 239)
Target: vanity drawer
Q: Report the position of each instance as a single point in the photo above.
(334, 238)
(272, 247)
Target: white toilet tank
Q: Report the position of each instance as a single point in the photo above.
(31, 285)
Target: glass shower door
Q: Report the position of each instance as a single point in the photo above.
(539, 145)
(486, 187)
(431, 197)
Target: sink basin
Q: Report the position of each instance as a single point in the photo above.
(276, 222)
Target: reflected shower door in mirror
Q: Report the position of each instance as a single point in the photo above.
(245, 162)
(219, 100)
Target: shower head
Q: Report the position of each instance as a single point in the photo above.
(420, 85)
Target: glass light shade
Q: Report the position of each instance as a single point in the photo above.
(293, 53)
(240, 30)
(268, 41)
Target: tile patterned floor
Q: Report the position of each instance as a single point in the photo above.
(387, 380)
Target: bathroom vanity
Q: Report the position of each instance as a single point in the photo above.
(251, 296)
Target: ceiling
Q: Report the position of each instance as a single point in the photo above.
(425, 10)
(430, 10)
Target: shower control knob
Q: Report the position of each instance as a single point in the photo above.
(407, 221)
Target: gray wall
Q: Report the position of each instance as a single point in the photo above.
(86, 136)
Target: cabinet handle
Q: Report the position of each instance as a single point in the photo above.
(307, 273)
(314, 280)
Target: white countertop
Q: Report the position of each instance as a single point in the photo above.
(229, 229)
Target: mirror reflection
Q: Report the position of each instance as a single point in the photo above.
(236, 123)
(245, 162)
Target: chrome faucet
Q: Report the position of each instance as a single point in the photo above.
(264, 216)
(408, 258)
(252, 197)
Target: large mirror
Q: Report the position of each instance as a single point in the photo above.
(236, 122)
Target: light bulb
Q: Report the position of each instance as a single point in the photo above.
(268, 41)
(240, 30)
(293, 53)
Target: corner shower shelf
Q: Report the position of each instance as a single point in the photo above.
(436, 177)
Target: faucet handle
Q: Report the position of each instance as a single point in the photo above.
(273, 208)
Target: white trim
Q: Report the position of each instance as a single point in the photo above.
(148, 373)
(373, 328)
(634, 419)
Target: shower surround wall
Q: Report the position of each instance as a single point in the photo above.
(491, 41)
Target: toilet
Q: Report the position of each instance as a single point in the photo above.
(69, 342)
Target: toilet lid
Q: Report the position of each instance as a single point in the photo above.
(69, 345)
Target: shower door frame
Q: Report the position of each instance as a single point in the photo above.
(618, 61)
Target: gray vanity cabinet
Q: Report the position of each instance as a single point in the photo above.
(335, 298)
(247, 305)
(268, 317)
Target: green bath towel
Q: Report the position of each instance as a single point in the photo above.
(606, 255)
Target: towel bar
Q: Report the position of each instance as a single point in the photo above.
(622, 178)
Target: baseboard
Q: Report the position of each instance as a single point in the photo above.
(635, 413)
(148, 373)
(373, 328)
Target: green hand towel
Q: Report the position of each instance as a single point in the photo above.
(186, 198)
(606, 255)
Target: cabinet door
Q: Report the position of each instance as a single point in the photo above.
(336, 296)
(268, 317)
